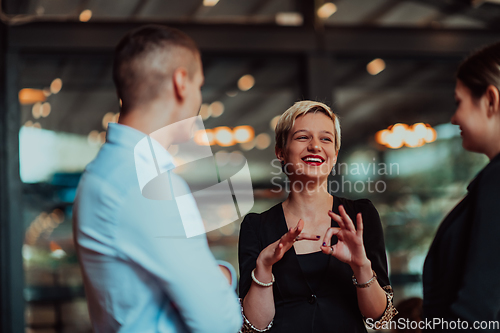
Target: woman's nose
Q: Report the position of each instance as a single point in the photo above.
(454, 119)
(314, 145)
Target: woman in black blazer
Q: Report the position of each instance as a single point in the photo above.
(462, 270)
(304, 266)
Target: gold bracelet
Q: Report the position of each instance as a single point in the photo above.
(261, 283)
(367, 284)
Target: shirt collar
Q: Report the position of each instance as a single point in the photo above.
(123, 135)
(128, 137)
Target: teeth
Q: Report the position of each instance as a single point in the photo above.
(313, 159)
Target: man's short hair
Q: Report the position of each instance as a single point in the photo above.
(146, 58)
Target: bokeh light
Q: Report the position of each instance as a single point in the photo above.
(243, 134)
(375, 66)
(224, 136)
(85, 15)
(246, 82)
(327, 10)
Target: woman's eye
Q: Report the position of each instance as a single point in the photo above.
(302, 137)
(327, 139)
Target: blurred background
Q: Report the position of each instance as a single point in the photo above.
(385, 66)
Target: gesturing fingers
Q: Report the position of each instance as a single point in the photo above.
(337, 219)
(278, 247)
(303, 236)
(359, 221)
(346, 219)
(325, 247)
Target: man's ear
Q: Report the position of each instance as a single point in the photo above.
(493, 97)
(180, 78)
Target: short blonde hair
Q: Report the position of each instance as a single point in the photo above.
(287, 120)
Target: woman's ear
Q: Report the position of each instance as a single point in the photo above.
(279, 153)
(493, 97)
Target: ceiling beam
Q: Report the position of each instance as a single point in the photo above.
(139, 7)
(15, 7)
(257, 7)
(488, 13)
(380, 12)
(46, 37)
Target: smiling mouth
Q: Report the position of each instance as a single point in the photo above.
(313, 160)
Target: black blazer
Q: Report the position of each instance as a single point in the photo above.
(333, 307)
(462, 270)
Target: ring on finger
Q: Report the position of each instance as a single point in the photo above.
(331, 247)
(296, 239)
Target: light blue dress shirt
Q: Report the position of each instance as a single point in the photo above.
(141, 273)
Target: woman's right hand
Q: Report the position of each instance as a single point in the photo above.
(275, 251)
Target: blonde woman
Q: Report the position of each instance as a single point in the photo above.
(315, 262)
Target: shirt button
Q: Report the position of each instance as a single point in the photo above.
(312, 299)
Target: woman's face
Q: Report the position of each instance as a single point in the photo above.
(310, 149)
(471, 116)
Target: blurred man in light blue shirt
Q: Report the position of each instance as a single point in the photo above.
(141, 272)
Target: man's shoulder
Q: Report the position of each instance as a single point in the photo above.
(104, 185)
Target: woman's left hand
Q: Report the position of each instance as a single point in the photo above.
(349, 248)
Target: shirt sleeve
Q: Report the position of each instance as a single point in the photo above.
(249, 248)
(479, 294)
(373, 238)
(151, 236)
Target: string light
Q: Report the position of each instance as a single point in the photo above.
(85, 15)
(205, 111)
(246, 82)
(210, 3)
(248, 145)
(224, 136)
(108, 118)
(56, 86)
(216, 109)
(327, 10)
(43, 224)
(30, 96)
(93, 137)
(274, 122)
(236, 158)
(375, 66)
(289, 19)
(243, 134)
(36, 110)
(204, 138)
(410, 136)
(262, 141)
(222, 157)
(46, 108)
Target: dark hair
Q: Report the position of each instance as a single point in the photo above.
(136, 82)
(410, 309)
(481, 69)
